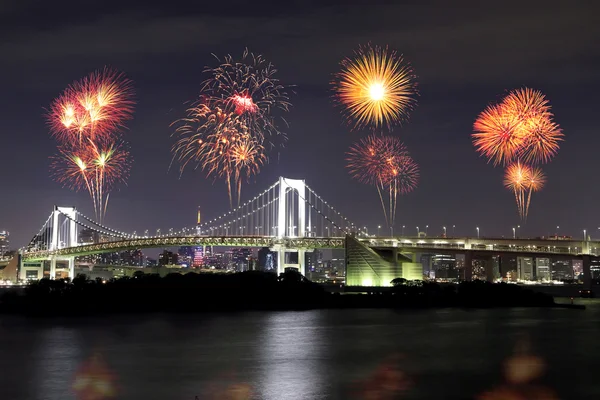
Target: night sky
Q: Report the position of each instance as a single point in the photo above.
(464, 56)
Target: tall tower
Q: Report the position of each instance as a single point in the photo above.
(198, 220)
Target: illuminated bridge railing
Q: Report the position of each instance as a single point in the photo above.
(502, 248)
(223, 241)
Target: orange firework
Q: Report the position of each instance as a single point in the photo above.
(377, 88)
(219, 143)
(541, 135)
(384, 162)
(95, 168)
(496, 136)
(92, 108)
(523, 180)
(520, 127)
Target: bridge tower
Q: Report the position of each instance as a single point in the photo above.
(291, 223)
(63, 236)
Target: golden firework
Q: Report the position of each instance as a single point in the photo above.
(377, 88)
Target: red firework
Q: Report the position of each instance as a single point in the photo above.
(384, 162)
(95, 107)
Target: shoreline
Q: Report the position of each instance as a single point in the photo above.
(252, 291)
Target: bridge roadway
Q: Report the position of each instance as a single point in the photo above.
(409, 244)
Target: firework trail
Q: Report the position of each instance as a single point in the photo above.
(376, 88)
(95, 107)
(219, 144)
(86, 120)
(519, 130)
(94, 168)
(523, 180)
(384, 162)
(227, 132)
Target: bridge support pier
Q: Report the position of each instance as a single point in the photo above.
(52, 268)
(282, 262)
(587, 273)
(468, 276)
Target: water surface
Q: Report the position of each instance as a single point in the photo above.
(323, 354)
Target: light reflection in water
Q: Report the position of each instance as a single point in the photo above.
(291, 358)
(59, 353)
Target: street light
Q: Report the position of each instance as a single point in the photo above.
(404, 226)
(444, 231)
(514, 233)
(417, 231)
(453, 227)
(584, 236)
(426, 226)
(477, 232)
(378, 228)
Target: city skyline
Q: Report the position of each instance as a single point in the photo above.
(457, 78)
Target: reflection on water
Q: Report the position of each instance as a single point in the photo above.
(326, 354)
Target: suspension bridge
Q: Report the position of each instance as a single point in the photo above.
(288, 217)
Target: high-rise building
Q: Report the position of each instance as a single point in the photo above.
(167, 258)
(198, 257)
(562, 270)
(185, 256)
(508, 268)
(478, 270)
(595, 269)
(443, 267)
(525, 268)
(542, 269)
(266, 259)
(4, 243)
(577, 269)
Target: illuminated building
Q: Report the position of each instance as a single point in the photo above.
(542, 269)
(167, 258)
(4, 242)
(595, 269)
(185, 256)
(443, 267)
(198, 257)
(366, 267)
(562, 270)
(577, 269)
(525, 268)
(478, 270)
(266, 259)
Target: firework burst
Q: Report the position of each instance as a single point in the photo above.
(95, 107)
(521, 127)
(376, 88)
(86, 120)
(384, 162)
(219, 143)
(94, 168)
(523, 180)
(227, 132)
(534, 123)
(248, 89)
